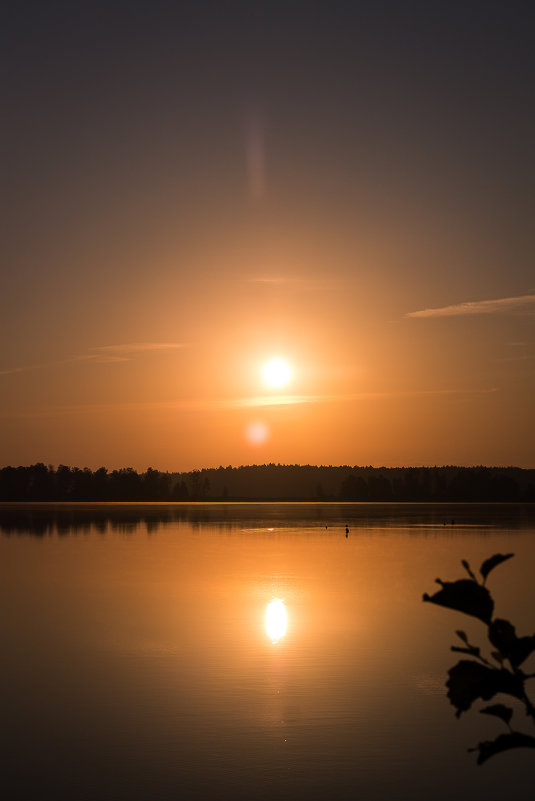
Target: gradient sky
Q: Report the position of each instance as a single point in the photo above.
(192, 188)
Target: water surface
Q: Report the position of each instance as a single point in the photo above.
(137, 664)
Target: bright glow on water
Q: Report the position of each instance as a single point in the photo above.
(276, 620)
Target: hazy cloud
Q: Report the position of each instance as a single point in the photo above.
(476, 307)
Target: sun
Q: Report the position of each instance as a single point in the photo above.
(277, 372)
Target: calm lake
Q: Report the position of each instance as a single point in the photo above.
(141, 658)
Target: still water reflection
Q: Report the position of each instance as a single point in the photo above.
(276, 620)
(246, 650)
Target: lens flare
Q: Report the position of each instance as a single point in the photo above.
(257, 432)
(256, 158)
(276, 620)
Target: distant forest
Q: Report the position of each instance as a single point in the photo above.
(39, 482)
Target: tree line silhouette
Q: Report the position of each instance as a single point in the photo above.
(40, 482)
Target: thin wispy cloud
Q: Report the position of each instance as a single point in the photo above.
(291, 400)
(268, 400)
(102, 354)
(108, 354)
(274, 280)
(138, 347)
(100, 358)
(500, 305)
(11, 370)
(197, 405)
(521, 358)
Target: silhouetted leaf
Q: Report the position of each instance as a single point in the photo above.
(468, 569)
(502, 635)
(500, 711)
(492, 562)
(472, 650)
(470, 680)
(465, 596)
(497, 656)
(504, 742)
(524, 647)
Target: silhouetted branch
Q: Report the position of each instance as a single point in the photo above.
(470, 680)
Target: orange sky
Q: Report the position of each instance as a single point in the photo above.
(351, 209)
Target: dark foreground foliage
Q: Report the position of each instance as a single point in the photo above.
(40, 482)
(481, 678)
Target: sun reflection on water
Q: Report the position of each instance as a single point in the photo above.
(276, 620)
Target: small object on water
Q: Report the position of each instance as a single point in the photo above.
(453, 522)
(347, 529)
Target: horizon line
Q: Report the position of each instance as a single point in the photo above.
(281, 465)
